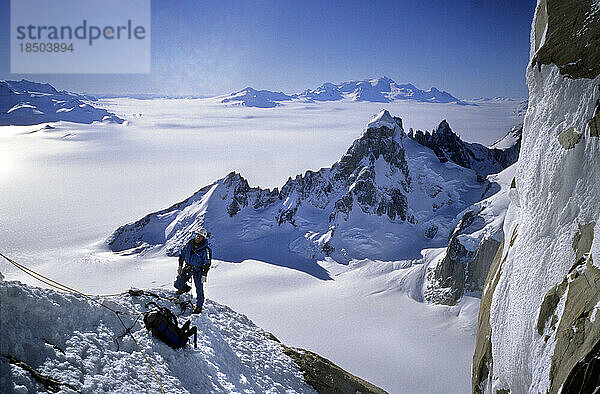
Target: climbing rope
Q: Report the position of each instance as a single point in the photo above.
(127, 331)
(65, 288)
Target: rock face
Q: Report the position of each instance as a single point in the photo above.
(539, 329)
(387, 198)
(472, 245)
(477, 236)
(571, 32)
(485, 161)
(27, 103)
(506, 149)
(326, 377)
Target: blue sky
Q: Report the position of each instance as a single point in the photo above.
(470, 48)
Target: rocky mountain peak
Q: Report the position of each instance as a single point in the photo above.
(381, 138)
(234, 178)
(444, 128)
(383, 185)
(448, 146)
(384, 119)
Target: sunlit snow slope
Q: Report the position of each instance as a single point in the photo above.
(72, 340)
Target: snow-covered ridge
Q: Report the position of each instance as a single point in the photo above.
(380, 90)
(28, 103)
(71, 340)
(387, 198)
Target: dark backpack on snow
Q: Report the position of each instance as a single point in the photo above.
(163, 325)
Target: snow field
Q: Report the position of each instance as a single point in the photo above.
(73, 340)
(70, 187)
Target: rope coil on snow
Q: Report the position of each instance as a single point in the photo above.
(67, 289)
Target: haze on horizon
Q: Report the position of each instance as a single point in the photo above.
(470, 48)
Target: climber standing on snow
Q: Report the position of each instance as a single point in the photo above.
(194, 261)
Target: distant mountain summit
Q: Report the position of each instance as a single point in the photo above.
(28, 103)
(379, 90)
(387, 198)
(250, 97)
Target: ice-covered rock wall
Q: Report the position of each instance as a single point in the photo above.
(472, 245)
(539, 322)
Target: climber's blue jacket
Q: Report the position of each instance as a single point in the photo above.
(196, 256)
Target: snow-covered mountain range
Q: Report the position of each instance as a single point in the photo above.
(380, 90)
(387, 198)
(28, 103)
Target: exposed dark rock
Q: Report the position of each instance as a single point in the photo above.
(577, 333)
(548, 307)
(287, 216)
(449, 147)
(240, 188)
(584, 378)
(343, 205)
(582, 241)
(508, 156)
(478, 268)
(373, 143)
(461, 269)
(326, 377)
(572, 37)
(431, 231)
(48, 382)
(266, 197)
(569, 138)
(327, 249)
(594, 123)
(483, 361)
